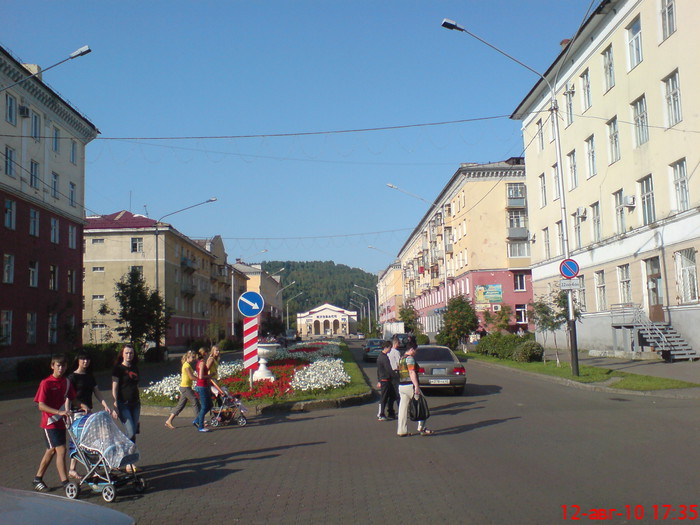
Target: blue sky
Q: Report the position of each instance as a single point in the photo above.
(230, 69)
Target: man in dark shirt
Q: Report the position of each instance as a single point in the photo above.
(384, 384)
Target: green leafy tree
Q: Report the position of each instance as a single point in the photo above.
(459, 321)
(142, 315)
(409, 316)
(499, 321)
(549, 313)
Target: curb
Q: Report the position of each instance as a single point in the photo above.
(595, 387)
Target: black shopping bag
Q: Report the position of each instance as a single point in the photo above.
(418, 409)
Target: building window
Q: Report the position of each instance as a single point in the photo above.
(680, 183)
(6, 327)
(136, 244)
(70, 281)
(601, 301)
(590, 156)
(608, 68)
(31, 328)
(10, 109)
(569, 103)
(641, 123)
(33, 274)
(33, 222)
(540, 135)
(34, 174)
(56, 140)
(543, 191)
(73, 152)
(521, 313)
(53, 277)
(53, 329)
(613, 140)
(519, 283)
(623, 277)
(10, 214)
(98, 241)
(138, 269)
(8, 268)
(687, 272)
(555, 178)
(586, 90)
(647, 192)
(619, 212)
(36, 126)
(519, 249)
(98, 297)
(9, 161)
(634, 42)
(668, 17)
(578, 218)
(560, 238)
(72, 237)
(673, 99)
(517, 219)
(579, 295)
(595, 222)
(54, 185)
(98, 268)
(516, 190)
(55, 229)
(546, 244)
(71, 194)
(573, 170)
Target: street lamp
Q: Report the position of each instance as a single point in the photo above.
(358, 305)
(278, 271)
(394, 187)
(282, 289)
(288, 301)
(75, 54)
(242, 258)
(212, 199)
(554, 109)
(376, 301)
(369, 308)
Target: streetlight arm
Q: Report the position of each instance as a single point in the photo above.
(212, 199)
(282, 289)
(75, 54)
(395, 187)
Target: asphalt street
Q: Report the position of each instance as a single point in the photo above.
(512, 449)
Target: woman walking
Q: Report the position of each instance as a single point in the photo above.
(186, 393)
(409, 387)
(125, 390)
(203, 391)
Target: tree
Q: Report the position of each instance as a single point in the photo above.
(550, 313)
(500, 321)
(459, 321)
(142, 314)
(409, 316)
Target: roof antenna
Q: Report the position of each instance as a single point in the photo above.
(145, 209)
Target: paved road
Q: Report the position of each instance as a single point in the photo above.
(513, 449)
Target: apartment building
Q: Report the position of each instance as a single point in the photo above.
(192, 276)
(42, 189)
(473, 242)
(628, 120)
(390, 293)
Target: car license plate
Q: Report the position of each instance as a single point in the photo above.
(439, 371)
(439, 381)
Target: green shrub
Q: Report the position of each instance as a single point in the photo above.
(498, 345)
(229, 344)
(422, 339)
(33, 368)
(528, 351)
(102, 356)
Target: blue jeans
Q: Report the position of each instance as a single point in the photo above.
(129, 414)
(205, 403)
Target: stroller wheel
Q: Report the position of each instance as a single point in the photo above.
(214, 422)
(109, 493)
(242, 421)
(72, 490)
(140, 485)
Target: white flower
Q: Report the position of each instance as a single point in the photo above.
(322, 374)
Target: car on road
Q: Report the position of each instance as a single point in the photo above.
(403, 341)
(371, 349)
(438, 367)
(23, 506)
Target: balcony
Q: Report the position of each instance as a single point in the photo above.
(187, 289)
(516, 202)
(188, 265)
(517, 234)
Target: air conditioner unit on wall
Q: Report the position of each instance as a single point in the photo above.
(629, 201)
(496, 307)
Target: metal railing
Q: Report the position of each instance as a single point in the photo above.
(633, 314)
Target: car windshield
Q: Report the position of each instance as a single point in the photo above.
(433, 353)
(374, 342)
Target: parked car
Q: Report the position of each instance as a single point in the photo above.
(23, 506)
(438, 367)
(371, 349)
(403, 341)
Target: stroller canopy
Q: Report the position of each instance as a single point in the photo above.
(101, 434)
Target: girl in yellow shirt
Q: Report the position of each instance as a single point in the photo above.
(186, 391)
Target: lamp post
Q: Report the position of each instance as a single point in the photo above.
(242, 258)
(394, 187)
(212, 199)
(75, 54)
(369, 309)
(289, 301)
(358, 305)
(376, 301)
(554, 110)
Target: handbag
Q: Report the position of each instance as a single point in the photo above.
(418, 409)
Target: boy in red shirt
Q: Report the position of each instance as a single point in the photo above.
(52, 398)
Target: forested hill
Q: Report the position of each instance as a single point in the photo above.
(322, 282)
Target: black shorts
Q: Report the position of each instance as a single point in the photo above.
(55, 437)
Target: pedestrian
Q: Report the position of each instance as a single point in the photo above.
(53, 400)
(125, 390)
(203, 387)
(394, 356)
(409, 387)
(213, 366)
(85, 386)
(385, 384)
(187, 378)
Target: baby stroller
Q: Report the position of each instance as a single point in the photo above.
(230, 409)
(97, 443)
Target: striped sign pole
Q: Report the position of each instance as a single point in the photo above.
(250, 345)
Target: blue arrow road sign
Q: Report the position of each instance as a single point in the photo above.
(569, 268)
(250, 304)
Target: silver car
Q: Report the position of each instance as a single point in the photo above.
(438, 367)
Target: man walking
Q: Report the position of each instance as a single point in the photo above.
(385, 385)
(394, 356)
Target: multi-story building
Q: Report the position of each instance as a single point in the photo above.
(42, 190)
(390, 293)
(628, 115)
(473, 241)
(193, 277)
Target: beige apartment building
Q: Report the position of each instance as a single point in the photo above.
(192, 276)
(474, 242)
(627, 200)
(390, 293)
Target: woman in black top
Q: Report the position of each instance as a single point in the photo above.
(125, 390)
